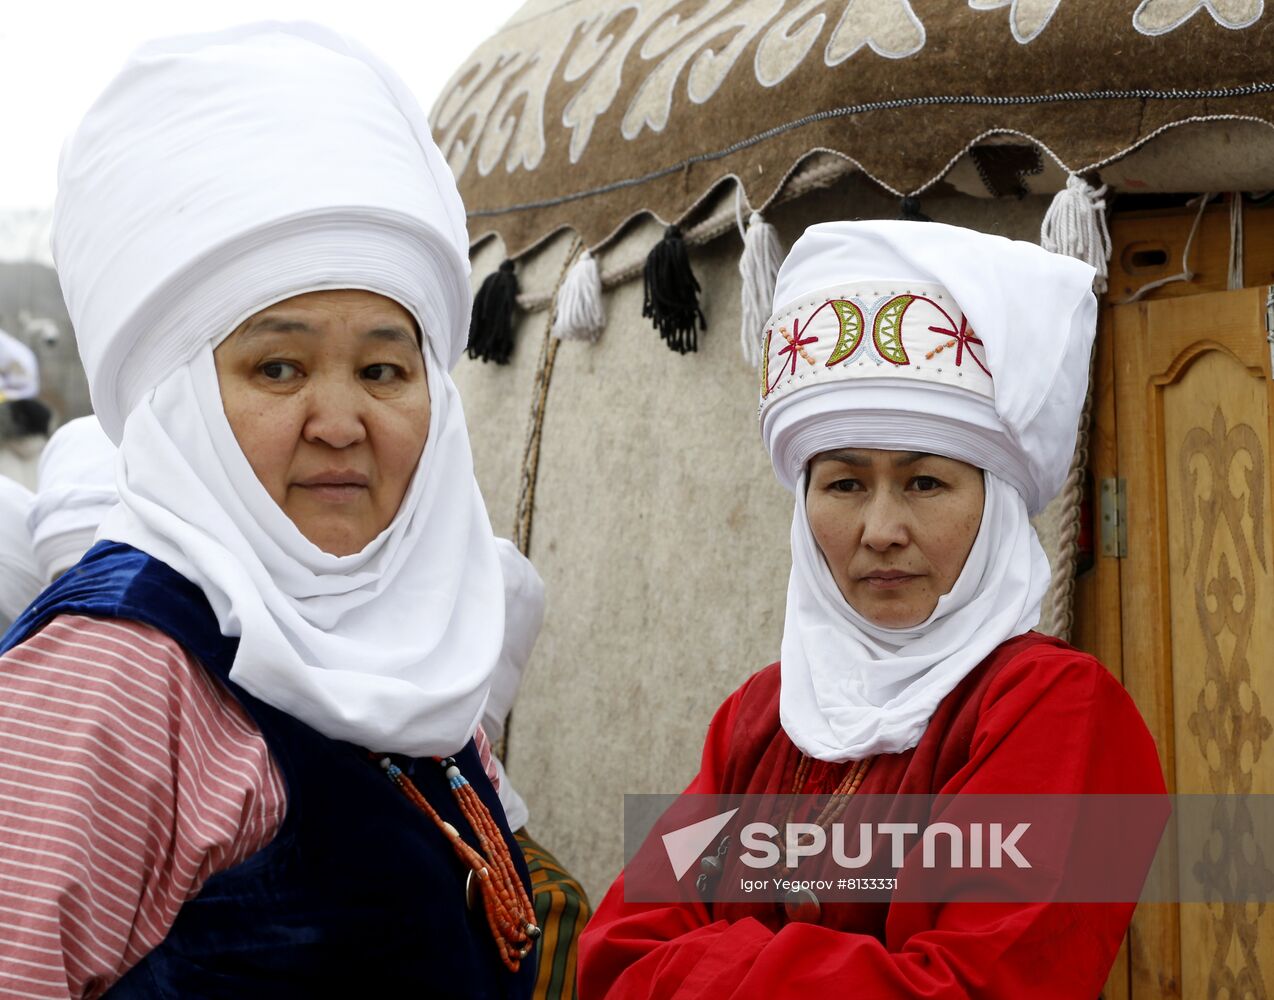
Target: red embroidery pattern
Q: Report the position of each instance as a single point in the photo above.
(795, 348)
(964, 335)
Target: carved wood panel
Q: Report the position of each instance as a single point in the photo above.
(1194, 434)
(1216, 458)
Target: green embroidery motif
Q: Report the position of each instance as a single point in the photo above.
(851, 330)
(887, 330)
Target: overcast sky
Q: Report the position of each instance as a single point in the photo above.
(55, 57)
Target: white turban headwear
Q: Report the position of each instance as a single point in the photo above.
(219, 174)
(20, 579)
(917, 336)
(76, 491)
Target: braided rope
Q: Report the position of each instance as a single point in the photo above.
(1059, 603)
(524, 513)
(525, 510)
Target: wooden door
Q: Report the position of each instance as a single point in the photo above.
(1192, 400)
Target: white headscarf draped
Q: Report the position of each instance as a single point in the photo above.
(851, 689)
(523, 619)
(20, 578)
(217, 175)
(524, 615)
(76, 490)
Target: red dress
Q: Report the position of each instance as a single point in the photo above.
(1036, 716)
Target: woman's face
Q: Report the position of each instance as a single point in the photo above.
(894, 526)
(327, 397)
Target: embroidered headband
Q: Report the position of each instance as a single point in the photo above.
(881, 364)
(868, 330)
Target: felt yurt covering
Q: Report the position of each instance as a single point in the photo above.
(633, 475)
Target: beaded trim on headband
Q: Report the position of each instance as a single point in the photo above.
(863, 330)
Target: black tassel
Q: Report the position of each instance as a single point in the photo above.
(909, 210)
(491, 322)
(672, 293)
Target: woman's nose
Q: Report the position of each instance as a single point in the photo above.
(884, 522)
(336, 416)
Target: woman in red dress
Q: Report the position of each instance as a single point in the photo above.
(921, 388)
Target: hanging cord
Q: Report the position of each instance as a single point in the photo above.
(1186, 273)
(1236, 241)
(739, 202)
(510, 915)
(530, 468)
(524, 514)
(1075, 224)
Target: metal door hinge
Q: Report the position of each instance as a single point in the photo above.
(1114, 519)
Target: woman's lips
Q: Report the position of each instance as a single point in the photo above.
(335, 487)
(335, 492)
(890, 580)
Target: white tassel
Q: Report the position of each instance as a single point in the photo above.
(580, 314)
(1075, 224)
(759, 267)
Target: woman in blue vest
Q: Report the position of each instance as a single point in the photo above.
(257, 696)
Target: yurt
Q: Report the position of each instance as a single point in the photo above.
(634, 172)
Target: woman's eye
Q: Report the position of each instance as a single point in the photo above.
(381, 373)
(844, 485)
(925, 484)
(278, 371)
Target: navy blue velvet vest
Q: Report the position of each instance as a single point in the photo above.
(359, 895)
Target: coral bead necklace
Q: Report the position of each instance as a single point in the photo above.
(510, 915)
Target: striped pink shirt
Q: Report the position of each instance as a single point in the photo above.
(128, 776)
